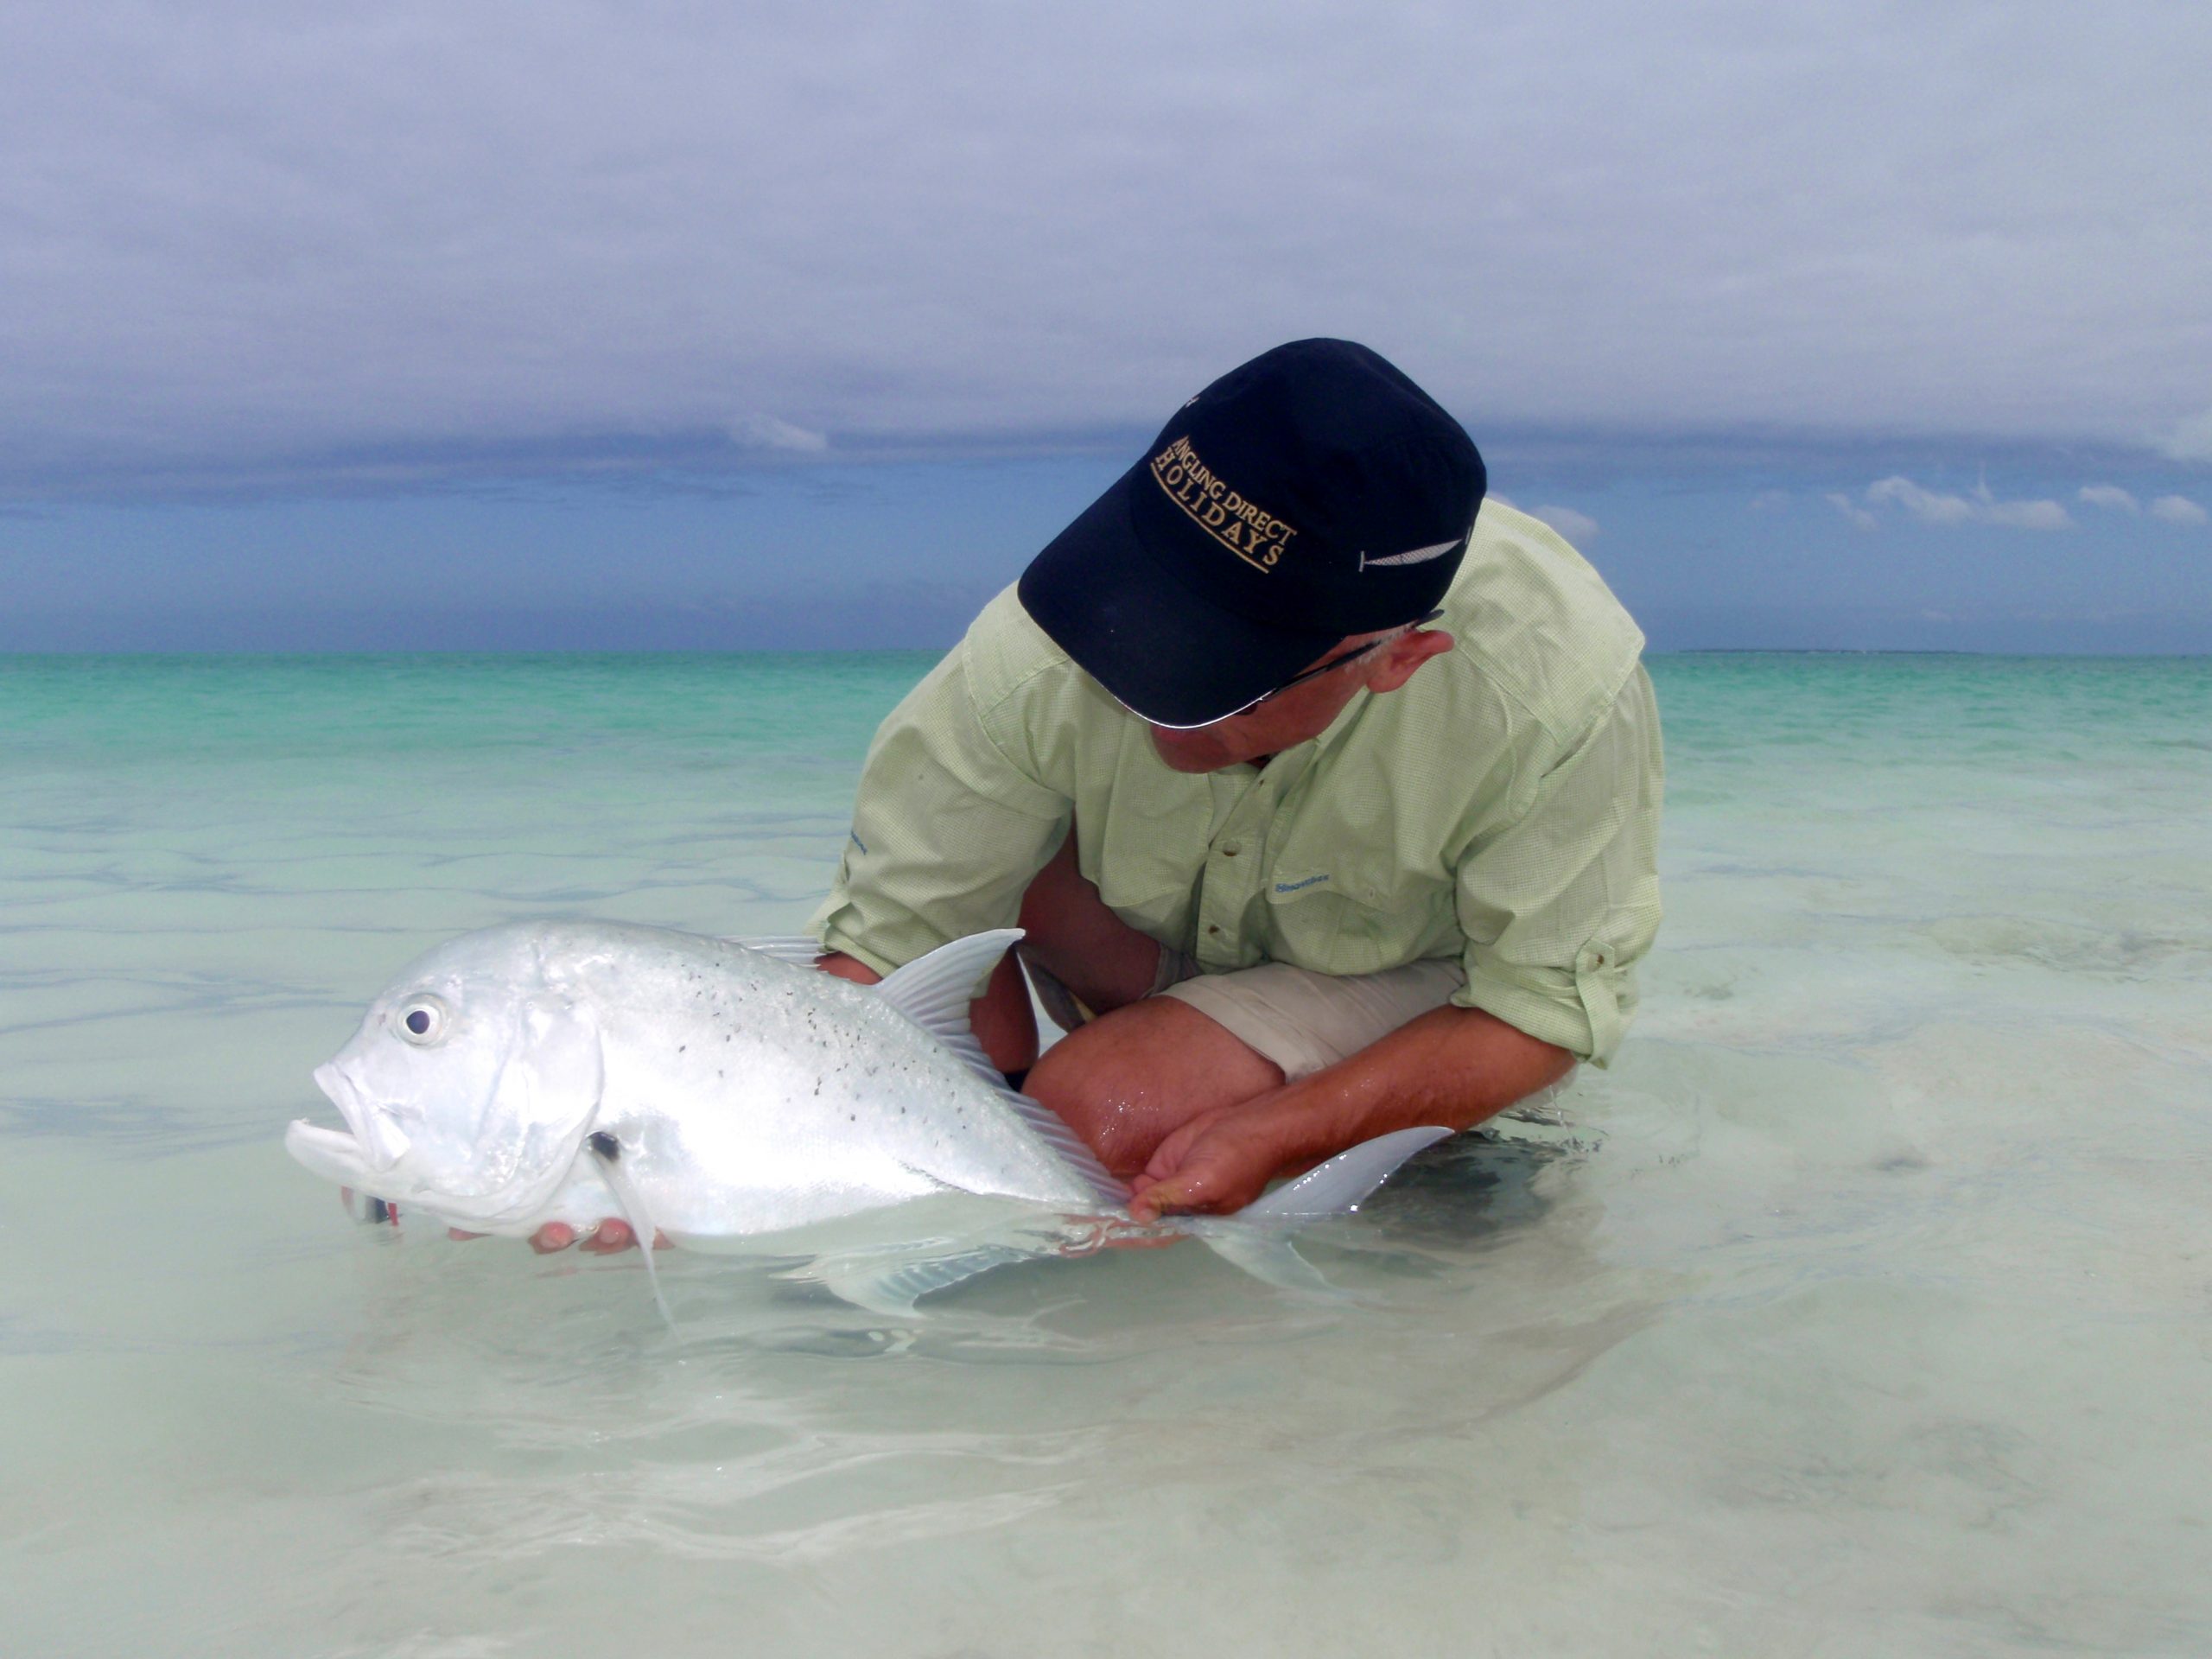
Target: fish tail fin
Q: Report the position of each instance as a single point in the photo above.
(1272, 1259)
(1257, 1238)
(1344, 1181)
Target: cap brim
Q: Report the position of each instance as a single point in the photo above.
(1168, 654)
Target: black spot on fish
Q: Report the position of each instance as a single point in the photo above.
(606, 1145)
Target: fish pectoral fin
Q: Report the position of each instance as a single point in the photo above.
(892, 1287)
(633, 1204)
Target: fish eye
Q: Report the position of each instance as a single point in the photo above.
(419, 1020)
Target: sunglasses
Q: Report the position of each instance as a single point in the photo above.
(1312, 673)
(1335, 663)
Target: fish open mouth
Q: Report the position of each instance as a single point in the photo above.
(368, 1147)
(334, 1154)
(377, 1137)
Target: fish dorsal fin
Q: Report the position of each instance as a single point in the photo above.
(934, 992)
(800, 949)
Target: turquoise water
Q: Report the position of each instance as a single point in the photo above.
(1865, 1306)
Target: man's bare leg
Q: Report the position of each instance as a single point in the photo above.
(1131, 1079)
(1143, 1068)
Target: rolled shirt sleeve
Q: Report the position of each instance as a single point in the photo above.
(947, 832)
(1559, 905)
(1501, 809)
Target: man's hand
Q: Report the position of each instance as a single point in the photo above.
(1452, 1066)
(609, 1237)
(1219, 1161)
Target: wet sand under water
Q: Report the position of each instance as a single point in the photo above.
(1863, 1307)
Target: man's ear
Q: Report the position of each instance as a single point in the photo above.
(1396, 662)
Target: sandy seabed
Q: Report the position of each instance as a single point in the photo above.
(1863, 1307)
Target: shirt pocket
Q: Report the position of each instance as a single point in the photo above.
(1358, 919)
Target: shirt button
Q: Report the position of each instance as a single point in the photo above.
(1230, 850)
(1212, 929)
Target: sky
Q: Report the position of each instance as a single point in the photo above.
(563, 325)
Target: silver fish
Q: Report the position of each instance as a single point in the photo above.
(730, 1096)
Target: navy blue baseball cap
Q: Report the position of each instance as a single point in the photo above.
(1314, 493)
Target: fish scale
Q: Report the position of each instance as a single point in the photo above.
(727, 1093)
(747, 1095)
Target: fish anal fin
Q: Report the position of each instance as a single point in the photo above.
(892, 1287)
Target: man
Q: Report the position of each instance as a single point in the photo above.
(1297, 867)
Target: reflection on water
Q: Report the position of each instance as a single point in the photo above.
(1860, 1308)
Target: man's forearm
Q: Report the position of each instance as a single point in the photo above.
(845, 966)
(1452, 1066)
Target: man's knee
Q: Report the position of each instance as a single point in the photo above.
(1130, 1079)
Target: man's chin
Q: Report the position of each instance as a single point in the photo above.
(1191, 751)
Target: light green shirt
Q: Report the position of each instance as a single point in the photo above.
(1501, 807)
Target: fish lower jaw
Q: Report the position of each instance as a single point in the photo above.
(376, 1128)
(336, 1156)
(332, 1153)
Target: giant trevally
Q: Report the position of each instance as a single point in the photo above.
(730, 1096)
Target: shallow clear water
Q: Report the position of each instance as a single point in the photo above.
(1865, 1307)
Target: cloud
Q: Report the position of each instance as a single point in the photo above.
(2190, 440)
(2028, 515)
(1923, 505)
(767, 432)
(1577, 527)
(2177, 510)
(251, 232)
(1982, 507)
(2110, 495)
(1851, 509)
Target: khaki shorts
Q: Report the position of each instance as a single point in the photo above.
(1302, 1020)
